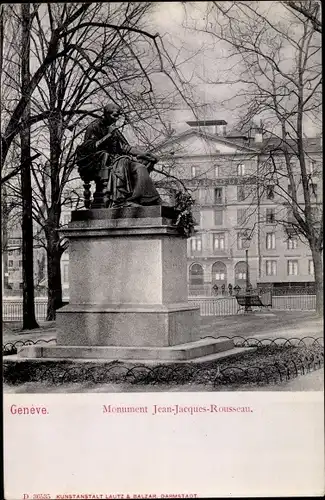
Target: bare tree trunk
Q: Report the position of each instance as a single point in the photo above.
(4, 218)
(29, 319)
(54, 253)
(4, 234)
(318, 272)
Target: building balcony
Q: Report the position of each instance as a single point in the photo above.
(211, 254)
(212, 205)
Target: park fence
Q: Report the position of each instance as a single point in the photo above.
(294, 302)
(226, 306)
(12, 309)
(267, 361)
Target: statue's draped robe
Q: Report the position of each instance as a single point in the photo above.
(128, 180)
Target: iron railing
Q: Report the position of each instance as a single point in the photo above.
(12, 309)
(225, 306)
(270, 361)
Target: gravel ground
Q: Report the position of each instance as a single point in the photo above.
(264, 323)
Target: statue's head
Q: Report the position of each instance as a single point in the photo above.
(111, 113)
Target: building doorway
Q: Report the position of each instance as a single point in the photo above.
(196, 275)
(240, 274)
(219, 275)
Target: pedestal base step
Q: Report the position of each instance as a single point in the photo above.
(182, 352)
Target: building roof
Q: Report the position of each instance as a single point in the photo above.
(311, 145)
(235, 134)
(205, 123)
(205, 135)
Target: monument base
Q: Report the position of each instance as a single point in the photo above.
(201, 350)
(127, 325)
(128, 293)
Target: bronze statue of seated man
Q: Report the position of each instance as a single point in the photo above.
(121, 172)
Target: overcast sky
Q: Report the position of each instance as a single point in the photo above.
(197, 57)
(204, 59)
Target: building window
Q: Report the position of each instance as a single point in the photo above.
(10, 252)
(217, 171)
(196, 244)
(65, 273)
(270, 267)
(311, 267)
(218, 217)
(196, 275)
(197, 217)
(66, 219)
(312, 167)
(20, 263)
(241, 195)
(270, 241)
(316, 214)
(240, 273)
(219, 241)
(240, 169)
(292, 268)
(10, 263)
(218, 195)
(193, 171)
(270, 215)
(219, 272)
(195, 195)
(241, 241)
(313, 188)
(292, 243)
(241, 216)
(290, 216)
(270, 192)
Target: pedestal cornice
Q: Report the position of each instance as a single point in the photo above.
(128, 221)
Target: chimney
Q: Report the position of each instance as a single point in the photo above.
(220, 129)
(258, 137)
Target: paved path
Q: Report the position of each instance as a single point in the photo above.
(12, 332)
(267, 325)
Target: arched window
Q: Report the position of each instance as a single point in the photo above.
(196, 274)
(219, 274)
(240, 274)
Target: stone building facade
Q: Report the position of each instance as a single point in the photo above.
(240, 217)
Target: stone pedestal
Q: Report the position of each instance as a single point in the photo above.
(127, 281)
(128, 291)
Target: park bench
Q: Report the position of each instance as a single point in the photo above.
(246, 301)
